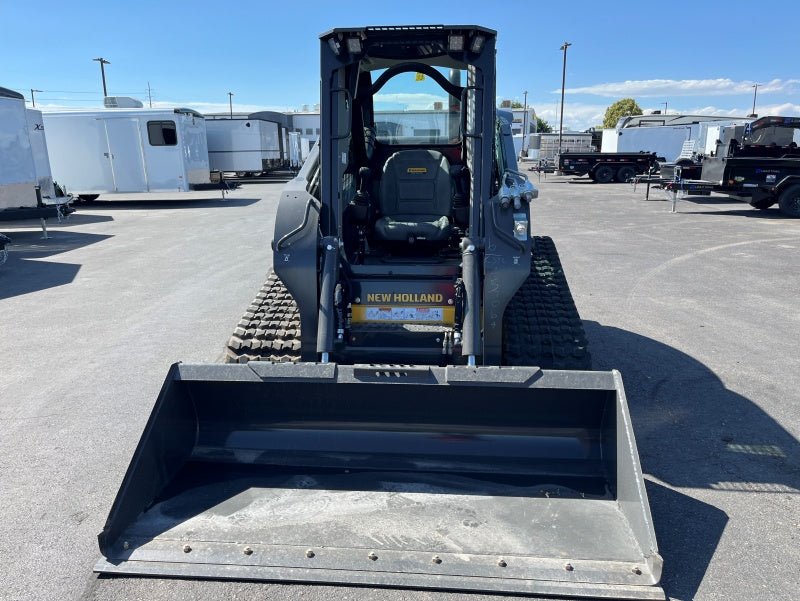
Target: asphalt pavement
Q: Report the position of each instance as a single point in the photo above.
(698, 309)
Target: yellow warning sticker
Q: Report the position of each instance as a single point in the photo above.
(417, 170)
(419, 77)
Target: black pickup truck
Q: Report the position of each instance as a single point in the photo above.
(604, 167)
(762, 167)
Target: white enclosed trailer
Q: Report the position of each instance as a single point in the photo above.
(17, 168)
(244, 145)
(106, 151)
(26, 188)
(667, 135)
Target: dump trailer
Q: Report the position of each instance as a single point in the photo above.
(409, 400)
(604, 167)
(758, 163)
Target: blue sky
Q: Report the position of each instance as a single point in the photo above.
(698, 57)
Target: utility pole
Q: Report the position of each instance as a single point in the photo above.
(150, 94)
(525, 122)
(230, 101)
(665, 107)
(563, 80)
(103, 62)
(755, 92)
(33, 100)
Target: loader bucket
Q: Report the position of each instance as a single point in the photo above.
(495, 479)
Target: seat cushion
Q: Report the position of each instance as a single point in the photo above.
(410, 228)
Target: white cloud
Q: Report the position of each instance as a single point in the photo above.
(218, 107)
(577, 116)
(683, 87)
(406, 101)
(200, 107)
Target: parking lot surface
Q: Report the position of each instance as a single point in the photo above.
(697, 308)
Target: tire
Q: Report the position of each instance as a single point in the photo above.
(269, 329)
(625, 173)
(88, 197)
(541, 325)
(789, 201)
(603, 174)
(764, 203)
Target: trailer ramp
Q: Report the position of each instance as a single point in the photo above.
(495, 479)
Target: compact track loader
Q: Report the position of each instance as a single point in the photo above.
(408, 402)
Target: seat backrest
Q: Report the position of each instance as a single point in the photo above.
(416, 182)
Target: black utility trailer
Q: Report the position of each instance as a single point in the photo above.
(762, 167)
(604, 167)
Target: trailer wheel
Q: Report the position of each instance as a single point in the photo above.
(603, 174)
(625, 173)
(789, 201)
(541, 325)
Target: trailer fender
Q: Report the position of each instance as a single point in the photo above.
(787, 181)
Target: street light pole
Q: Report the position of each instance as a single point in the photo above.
(755, 92)
(103, 62)
(563, 80)
(230, 101)
(665, 107)
(33, 100)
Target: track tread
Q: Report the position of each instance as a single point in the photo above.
(542, 326)
(269, 329)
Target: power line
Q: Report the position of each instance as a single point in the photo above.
(68, 92)
(69, 99)
(71, 92)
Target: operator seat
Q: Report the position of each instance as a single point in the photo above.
(415, 197)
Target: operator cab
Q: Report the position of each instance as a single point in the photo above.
(411, 197)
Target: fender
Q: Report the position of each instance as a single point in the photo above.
(295, 245)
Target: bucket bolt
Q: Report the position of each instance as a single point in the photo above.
(568, 567)
(247, 551)
(502, 563)
(187, 549)
(310, 553)
(126, 545)
(373, 556)
(637, 570)
(436, 559)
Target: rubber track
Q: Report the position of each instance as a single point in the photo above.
(541, 325)
(269, 329)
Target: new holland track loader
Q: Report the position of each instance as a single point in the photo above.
(408, 401)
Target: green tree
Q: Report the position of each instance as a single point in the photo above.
(516, 104)
(621, 108)
(542, 126)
